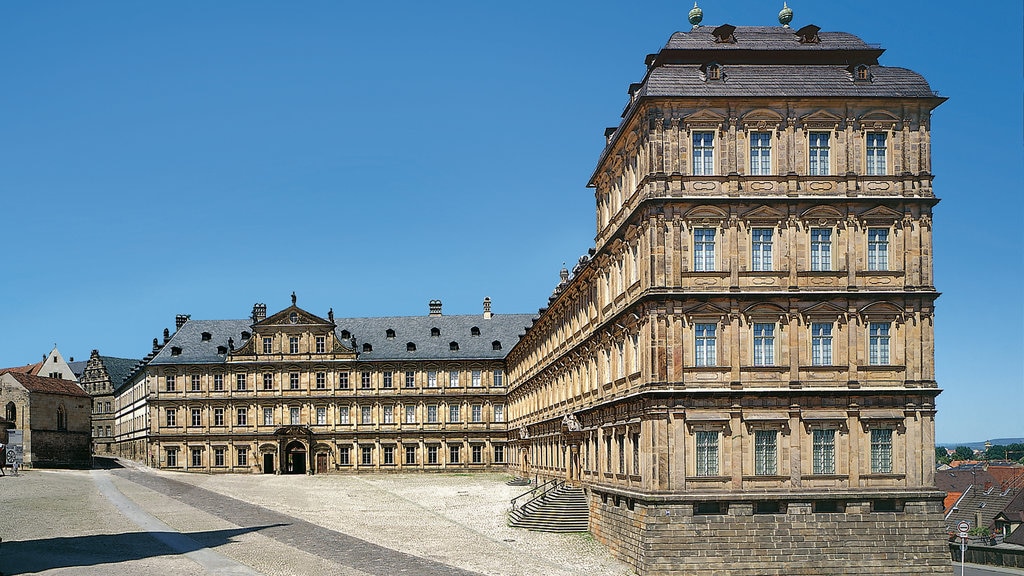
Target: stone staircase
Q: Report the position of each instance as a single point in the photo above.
(563, 509)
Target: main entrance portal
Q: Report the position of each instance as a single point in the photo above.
(295, 458)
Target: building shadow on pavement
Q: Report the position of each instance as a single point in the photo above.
(31, 556)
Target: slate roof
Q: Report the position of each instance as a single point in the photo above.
(118, 368)
(78, 368)
(34, 383)
(504, 328)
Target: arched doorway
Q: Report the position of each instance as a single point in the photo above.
(295, 458)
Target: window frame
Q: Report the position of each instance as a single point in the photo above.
(823, 451)
(702, 152)
(764, 343)
(760, 156)
(706, 453)
(821, 249)
(876, 156)
(705, 344)
(821, 343)
(819, 157)
(704, 249)
(880, 343)
(882, 445)
(878, 248)
(762, 240)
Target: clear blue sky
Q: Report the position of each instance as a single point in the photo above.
(159, 158)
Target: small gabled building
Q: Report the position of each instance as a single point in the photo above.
(54, 414)
(99, 376)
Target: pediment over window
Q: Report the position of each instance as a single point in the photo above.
(293, 316)
(706, 212)
(704, 119)
(878, 120)
(882, 310)
(821, 120)
(880, 215)
(705, 311)
(764, 215)
(761, 118)
(825, 311)
(822, 215)
(765, 312)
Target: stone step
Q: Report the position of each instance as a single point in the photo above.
(562, 510)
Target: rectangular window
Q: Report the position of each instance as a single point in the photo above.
(240, 383)
(242, 416)
(218, 382)
(453, 454)
(321, 415)
(878, 353)
(881, 451)
(389, 455)
(821, 249)
(388, 379)
(365, 415)
(499, 412)
(197, 457)
(410, 414)
(389, 414)
(766, 452)
(410, 455)
(367, 452)
(707, 453)
(410, 379)
(243, 456)
(475, 379)
(343, 456)
(818, 159)
(622, 453)
(760, 153)
(876, 165)
(196, 385)
(499, 378)
(293, 344)
(321, 380)
(431, 379)
(761, 249)
(703, 153)
(268, 345)
(704, 249)
(197, 417)
(268, 381)
(499, 454)
(218, 416)
(172, 416)
(608, 453)
(454, 414)
(321, 344)
(453, 379)
(824, 451)
(821, 343)
(294, 416)
(764, 344)
(293, 380)
(878, 248)
(477, 454)
(268, 416)
(477, 413)
(172, 457)
(635, 441)
(704, 345)
(343, 415)
(343, 380)
(431, 454)
(432, 414)
(172, 382)
(364, 380)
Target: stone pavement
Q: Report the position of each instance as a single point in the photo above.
(136, 520)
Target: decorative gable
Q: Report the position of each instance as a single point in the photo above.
(878, 120)
(821, 120)
(880, 215)
(704, 312)
(704, 118)
(762, 119)
(765, 215)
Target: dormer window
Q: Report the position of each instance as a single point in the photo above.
(175, 351)
(345, 334)
(222, 349)
(367, 347)
(453, 346)
(410, 347)
(435, 332)
(206, 336)
(496, 345)
(389, 333)
(724, 34)
(713, 72)
(809, 34)
(861, 73)
(246, 335)
(474, 331)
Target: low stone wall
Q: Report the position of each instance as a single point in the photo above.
(53, 449)
(988, 555)
(683, 535)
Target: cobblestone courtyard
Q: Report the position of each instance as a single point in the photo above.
(139, 521)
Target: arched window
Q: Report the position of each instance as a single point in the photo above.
(367, 347)
(474, 331)
(410, 346)
(11, 412)
(389, 333)
(62, 418)
(453, 346)
(435, 331)
(496, 345)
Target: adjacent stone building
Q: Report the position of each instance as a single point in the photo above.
(741, 372)
(99, 376)
(53, 413)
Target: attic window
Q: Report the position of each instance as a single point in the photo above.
(809, 34)
(713, 72)
(474, 331)
(435, 331)
(496, 345)
(206, 336)
(861, 73)
(367, 347)
(175, 351)
(453, 346)
(222, 349)
(390, 333)
(246, 335)
(410, 346)
(724, 34)
(345, 334)
(293, 317)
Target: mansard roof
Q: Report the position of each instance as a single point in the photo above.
(34, 383)
(195, 349)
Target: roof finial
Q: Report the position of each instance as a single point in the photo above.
(696, 15)
(785, 15)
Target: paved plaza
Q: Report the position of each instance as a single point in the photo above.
(135, 520)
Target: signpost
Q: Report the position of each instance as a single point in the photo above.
(963, 527)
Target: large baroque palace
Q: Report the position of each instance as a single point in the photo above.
(740, 373)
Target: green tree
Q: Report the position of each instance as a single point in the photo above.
(940, 455)
(963, 453)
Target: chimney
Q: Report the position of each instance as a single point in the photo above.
(180, 320)
(259, 312)
(167, 335)
(435, 307)
(487, 308)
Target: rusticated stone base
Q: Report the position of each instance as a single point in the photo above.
(759, 534)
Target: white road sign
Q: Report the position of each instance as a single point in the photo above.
(963, 527)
